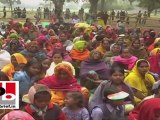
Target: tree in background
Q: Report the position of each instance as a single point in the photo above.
(150, 5)
(10, 3)
(58, 6)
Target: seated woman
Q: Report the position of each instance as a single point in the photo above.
(140, 80)
(63, 82)
(147, 110)
(79, 53)
(154, 61)
(125, 58)
(95, 64)
(17, 63)
(114, 51)
(138, 51)
(104, 46)
(116, 79)
(33, 50)
(58, 47)
(14, 45)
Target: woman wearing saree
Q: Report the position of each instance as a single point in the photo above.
(114, 51)
(147, 110)
(140, 80)
(63, 82)
(126, 59)
(95, 64)
(17, 63)
(104, 46)
(115, 80)
(33, 50)
(154, 60)
(79, 53)
(138, 51)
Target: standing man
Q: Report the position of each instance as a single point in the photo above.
(144, 18)
(4, 12)
(139, 17)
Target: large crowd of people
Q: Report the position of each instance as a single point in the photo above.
(80, 71)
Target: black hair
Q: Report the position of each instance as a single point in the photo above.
(100, 37)
(117, 67)
(77, 96)
(3, 76)
(135, 41)
(124, 49)
(108, 91)
(31, 62)
(42, 94)
(141, 61)
(58, 52)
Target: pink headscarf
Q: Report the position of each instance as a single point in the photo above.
(17, 115)
(130, 62)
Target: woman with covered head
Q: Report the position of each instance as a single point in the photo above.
(13, 45)
(104, 46)
(138, 51)
(17, 115)
(93, 69)
(147, 110)
(33, 50)
(140, 80)
(114, 51)
(154, 61)
(17, 63)
(63, 82)
(125, 58)
(79, 53)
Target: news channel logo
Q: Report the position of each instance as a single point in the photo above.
(9, 95)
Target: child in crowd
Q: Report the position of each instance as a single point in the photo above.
(74, 109)
(40, 107)
(45, 66)
(26, 77)
(57, 58)
(112, 108)
(3, 76)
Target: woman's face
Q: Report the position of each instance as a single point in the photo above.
(115, 49)
(46, 64)
(136, 44)
(14, 61)
(143, 68)
(126, 42)
(105, 43)
(34, 69)
(96, 55)
(33, 48)
(57, 58)
(63, 75)
(117, 77)
(126, 53)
